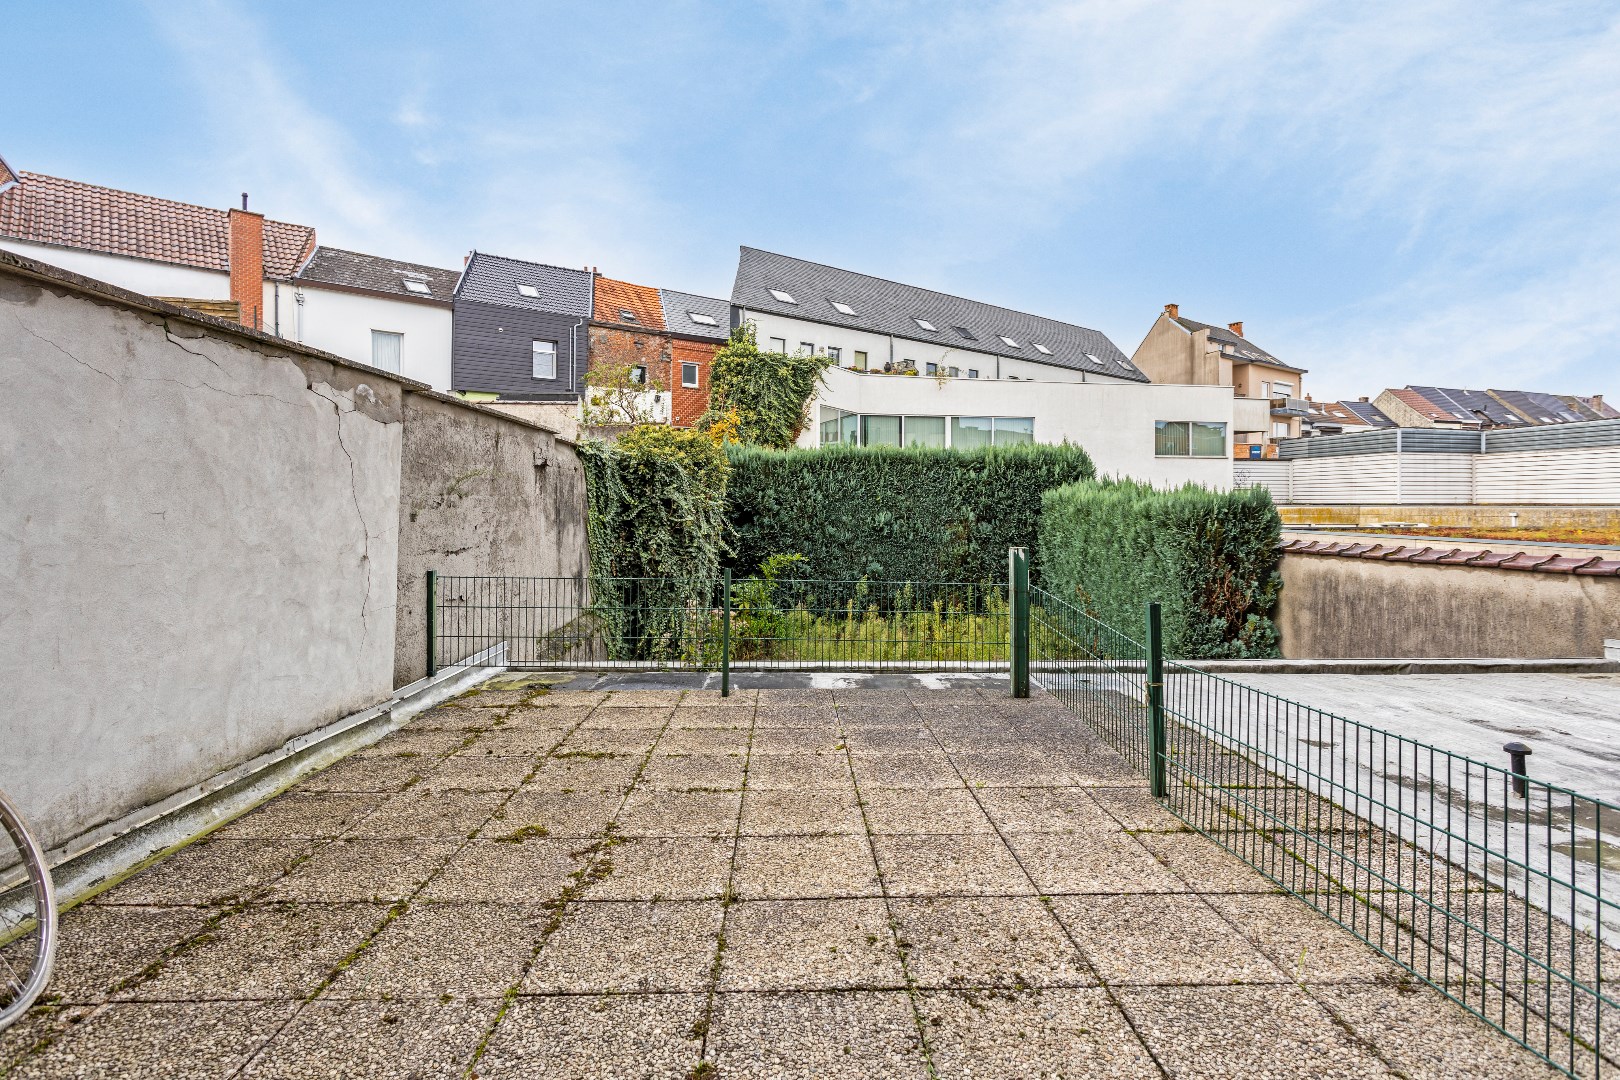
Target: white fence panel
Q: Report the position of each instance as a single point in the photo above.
(1587, 475)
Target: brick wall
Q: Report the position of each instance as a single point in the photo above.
(688, 403)
(614, 347)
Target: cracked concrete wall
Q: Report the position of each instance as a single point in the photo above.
(480, 494)
(199, 533)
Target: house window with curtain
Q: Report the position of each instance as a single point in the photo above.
(925, 431)
(880, 431)
(970, 432)
(385, 349)
(1009, 430)
(1183, 438)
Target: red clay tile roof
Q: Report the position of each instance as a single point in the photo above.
(613, 298)
(69, 213)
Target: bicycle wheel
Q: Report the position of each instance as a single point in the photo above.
(27, 917)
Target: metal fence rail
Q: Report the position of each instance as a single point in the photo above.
(720, 624)
(1494, 887)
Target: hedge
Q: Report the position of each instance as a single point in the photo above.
(888, 513)
(1209, 558)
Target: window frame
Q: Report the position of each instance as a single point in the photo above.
(398, 337)
(692, 366)
(782, 341)
(1163, 427)
(534, 355)
(860, 360)
(835, 354)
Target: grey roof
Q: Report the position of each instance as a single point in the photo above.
(493, 279)
(1466, 405)
(1232, 343)
(888, 307)
(678, 308)
(1369, 412)
(334, 266)
(1541, 408)
(1599, 408)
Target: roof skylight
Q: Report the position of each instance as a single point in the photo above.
(1009, 342)
(965, 332)
(700, 317)
(842, 309)
(925, 324)
(786, 298)
(1042, 349)
(626, 315)
(529, 291)
(416, 285)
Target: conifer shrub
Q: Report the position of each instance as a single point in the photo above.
(1209, 558)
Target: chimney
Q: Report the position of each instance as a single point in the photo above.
(1172, 310)
(1363, 397)
(1597, 402)
(247, 264)
(1236, 328)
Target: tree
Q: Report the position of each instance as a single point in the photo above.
(765, 394)
(624, 394)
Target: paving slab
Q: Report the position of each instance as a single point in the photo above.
(686, 878)
(607, 1035)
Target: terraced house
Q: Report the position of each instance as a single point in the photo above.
(917, 367)
(529, 333)
(239, 265)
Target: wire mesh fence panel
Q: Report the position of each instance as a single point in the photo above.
(1494, 887)
(571, 622)
(1093, 669)
(869, 625)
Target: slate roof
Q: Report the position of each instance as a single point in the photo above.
(67, 213)
(1600, 409)
(888, 307)
(373, 273)
(1368, 413)
(678, 308)
(628, 304)
(1243, 348)
(1539, 408)
(493, 279)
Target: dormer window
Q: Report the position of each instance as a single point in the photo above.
(842, 309)
(926, 325)
(530, 291)
(1009, 342)
(786, 298)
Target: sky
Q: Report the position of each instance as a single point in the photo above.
(1384, 193)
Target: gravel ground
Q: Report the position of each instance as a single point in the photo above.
(820, 876)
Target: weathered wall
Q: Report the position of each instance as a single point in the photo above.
(198, 535)
(480, 493)
(1354, 608)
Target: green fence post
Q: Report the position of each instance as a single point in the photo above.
(725, 633)
(433, 622)
(1157, 751)
(1018, 644)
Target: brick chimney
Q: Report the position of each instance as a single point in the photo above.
(1172, 310)
(247, 265)
(1236, 328)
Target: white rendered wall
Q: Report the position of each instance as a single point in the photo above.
(943, 351)
(341, 322)
(1113, 421)
(136, 275)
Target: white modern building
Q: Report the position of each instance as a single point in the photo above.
(270, 275)
(916, 367)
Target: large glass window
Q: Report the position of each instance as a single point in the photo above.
(830, 419)
(880, 431)
(925, 431)
(970, 432)
(848, 428)
(545, 359)
(1014, 429)
(1180, 438)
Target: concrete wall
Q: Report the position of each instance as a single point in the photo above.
(202, 538)
(480, 493)
(1113, 421)
(1334, 608)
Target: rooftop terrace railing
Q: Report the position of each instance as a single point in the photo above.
(1493, 887)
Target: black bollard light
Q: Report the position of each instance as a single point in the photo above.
(1517, 752)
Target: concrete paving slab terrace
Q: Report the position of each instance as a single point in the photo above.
(624, 875)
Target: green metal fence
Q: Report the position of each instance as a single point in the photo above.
(718, 624)
(1489, 885)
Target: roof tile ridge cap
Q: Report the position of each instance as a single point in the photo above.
(1527, 560)
(1566, 564)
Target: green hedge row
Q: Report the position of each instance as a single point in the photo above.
(887, 513)
(1209, 558)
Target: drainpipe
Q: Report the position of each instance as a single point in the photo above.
(298, 315)
(573, 357)
(276, 307)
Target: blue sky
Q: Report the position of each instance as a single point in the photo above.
(1384, 192)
